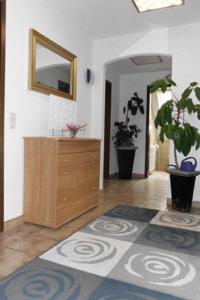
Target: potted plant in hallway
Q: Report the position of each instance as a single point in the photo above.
(172, 119)
(124, 137)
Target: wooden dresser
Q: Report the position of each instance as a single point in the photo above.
(61, 179)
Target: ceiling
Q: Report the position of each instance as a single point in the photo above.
(106, 18)
(126, 66)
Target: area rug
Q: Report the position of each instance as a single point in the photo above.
(128, 253)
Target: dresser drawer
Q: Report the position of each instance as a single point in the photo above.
(78, 160)
(74, 179)
(72, 209)
(78, 146)
(68, 191)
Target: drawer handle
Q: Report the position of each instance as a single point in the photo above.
(66, 160)
(66, 173)
(66, 147)
(64, 200)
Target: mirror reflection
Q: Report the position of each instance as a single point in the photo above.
(52, 70)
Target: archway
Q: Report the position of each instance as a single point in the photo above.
(100, 130)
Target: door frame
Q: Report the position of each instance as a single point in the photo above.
(106, 173)
(2, 93)
(147, 141)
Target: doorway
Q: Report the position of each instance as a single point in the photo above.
(2, 82)
(129, 76)
(108, 96)
(156, 152)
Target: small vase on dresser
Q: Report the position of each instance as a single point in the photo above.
(61, 179)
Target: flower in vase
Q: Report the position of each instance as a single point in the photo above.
(74, 127)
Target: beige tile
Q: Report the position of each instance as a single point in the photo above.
(10, 260)
(9, 239)
(33, 244)
(57, 234)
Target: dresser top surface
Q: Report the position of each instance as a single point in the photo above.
(60, 138)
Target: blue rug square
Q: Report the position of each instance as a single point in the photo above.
(175, 239)
(132, 213)
(113, 290)
(42, 280)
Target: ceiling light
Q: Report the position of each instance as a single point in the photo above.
(146, 60)
(146, 5)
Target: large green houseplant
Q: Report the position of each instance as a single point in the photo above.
(125, 135)
(173, 121)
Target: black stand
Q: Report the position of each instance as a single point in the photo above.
(182, 187)
(125, 158)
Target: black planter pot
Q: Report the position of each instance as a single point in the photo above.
(125, 158)
(182, 187)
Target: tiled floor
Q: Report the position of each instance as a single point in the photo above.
(24, 242)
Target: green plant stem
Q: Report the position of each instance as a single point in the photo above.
(176, 159)
(127, 110)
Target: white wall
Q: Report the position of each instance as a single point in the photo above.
(31, 108)
(130, 83)
(114, 77)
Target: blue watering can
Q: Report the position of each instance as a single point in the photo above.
(187, 165)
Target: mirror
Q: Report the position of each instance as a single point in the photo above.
(52, 68)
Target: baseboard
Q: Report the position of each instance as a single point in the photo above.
(114, 176)
(136, 176)
(195, 206)
(13, 223)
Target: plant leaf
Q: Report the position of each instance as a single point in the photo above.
(197, 141)
(169, 131)
(197, 92)
(178, 137)
(187, 92)
(170, 81)
(193, 84)
(162, 137)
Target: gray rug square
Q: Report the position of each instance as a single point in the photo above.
(115, 228)
(160, 270)
(175, 239)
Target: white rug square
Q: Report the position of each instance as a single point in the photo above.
(88, 252)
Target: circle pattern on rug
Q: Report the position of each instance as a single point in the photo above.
(176, 238)
(161, 269)
(114, 227)
(88, 251)
(180, 220)
(44, 284)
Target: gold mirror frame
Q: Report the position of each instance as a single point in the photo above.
(38, 38)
